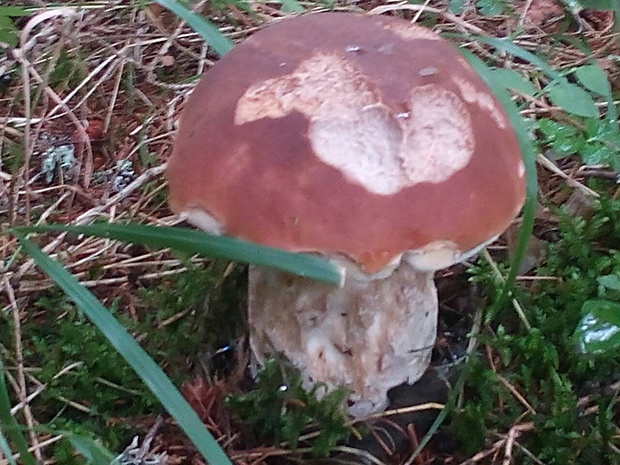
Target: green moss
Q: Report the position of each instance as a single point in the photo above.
(542, 362)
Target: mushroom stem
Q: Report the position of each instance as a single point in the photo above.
(368, 336)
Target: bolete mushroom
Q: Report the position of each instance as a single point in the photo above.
(367, 140)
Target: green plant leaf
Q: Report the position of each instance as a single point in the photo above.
(279, 409)
(594, 79)
(509, 47)
(564, 139)
(568, 96)
(8, 31)
(9, 425)
(572, 99)
(292, 5)
(610, 281)
(601, 5)
(584, 105)
(456, 6)
(152, 375)
(599, 329)
(211, 34)
(491, 7)
(512, 79)
(14, 11)
(602, 145)
(198, 242)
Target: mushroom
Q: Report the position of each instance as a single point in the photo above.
(367, 140)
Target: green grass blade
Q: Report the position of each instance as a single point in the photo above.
(5, 450)
(9, 425)
(198, 242)
(91, 450)
(145, 367)
(449, 406)
(515, 50)
(210, 33)
(529, 159)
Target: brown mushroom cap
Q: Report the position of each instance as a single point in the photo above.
(347, 134)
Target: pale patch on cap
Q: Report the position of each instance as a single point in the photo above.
(438, 136)
(352, 131)
(481, 98)
(365, 148)
(387, 152)
(323, 85)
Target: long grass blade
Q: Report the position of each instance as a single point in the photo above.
(198, 242)
(5, 450)
(209, 32)
(91, 450)
(559, 82)
(529, 210)
(529, 159)
(144, 366)
(9, 425)
(509, 47)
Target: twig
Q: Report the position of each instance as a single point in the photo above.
(517, 394)
(36, 448)
(448, 16)
(515, 303)
(514, 433)
(96, 212)
(19, 357)
(544, 161)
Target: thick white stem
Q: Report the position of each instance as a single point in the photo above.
(367, 336)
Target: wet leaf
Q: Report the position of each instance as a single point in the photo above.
(599, 330)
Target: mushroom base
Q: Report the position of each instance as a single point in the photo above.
(367, 336)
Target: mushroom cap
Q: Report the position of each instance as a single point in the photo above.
(358, 136)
